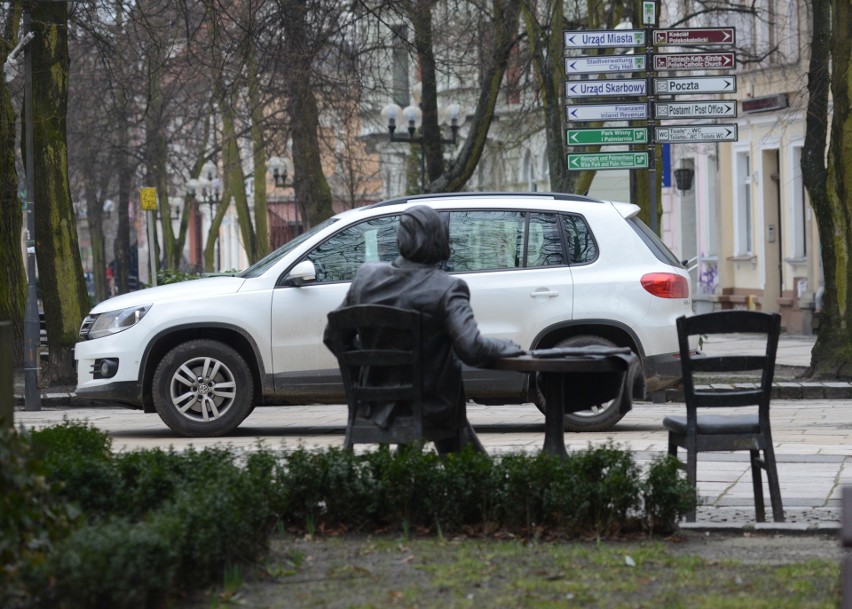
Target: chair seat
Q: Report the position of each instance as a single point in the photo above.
(715, 424)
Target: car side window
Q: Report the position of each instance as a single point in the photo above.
(582, 246)
(544, 243)
(338, 257)
(485, 240)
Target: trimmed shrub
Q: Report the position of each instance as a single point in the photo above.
(334, 487)
(160, 522)
(113, 565)
(33, 515)
(149, 479)
(224, 518)
(667, 495)
(79, 457)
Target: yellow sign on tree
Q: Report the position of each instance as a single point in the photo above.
(148, 197)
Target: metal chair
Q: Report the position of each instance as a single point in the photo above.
(729, 432)
(378, 349)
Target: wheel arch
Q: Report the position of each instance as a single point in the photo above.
(618, 333)
(234, 337)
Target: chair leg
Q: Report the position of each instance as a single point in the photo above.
(757, 485)
(772, 478)
(692, 476)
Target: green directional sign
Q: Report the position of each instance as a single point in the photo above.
(592, 137)
(582, 161)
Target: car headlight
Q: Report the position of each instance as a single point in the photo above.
(105, 324)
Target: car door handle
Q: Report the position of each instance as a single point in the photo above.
(543, 293)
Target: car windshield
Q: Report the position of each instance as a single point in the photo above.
(261, 266)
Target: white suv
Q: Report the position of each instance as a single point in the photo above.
(544, 270)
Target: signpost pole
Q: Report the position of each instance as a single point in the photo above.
(649, 18)
(32, 326)
(148, 199)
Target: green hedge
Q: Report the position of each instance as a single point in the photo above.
(83, 527)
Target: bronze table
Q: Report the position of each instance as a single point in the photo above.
(574, 379)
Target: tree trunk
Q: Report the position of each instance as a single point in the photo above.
(61, 283)
(213, 235)
(420, 14)
(505, 27)
(13, 277)
(258, 143)
(309, 183)
(94, 218)
(551, 76)
(122, 245)
(234, 180)
(156, 158)
(829, 187)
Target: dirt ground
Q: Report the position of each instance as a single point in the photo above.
(327, 572)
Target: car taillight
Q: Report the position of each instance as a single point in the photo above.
(666, 285)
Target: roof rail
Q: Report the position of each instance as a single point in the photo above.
(559, 196)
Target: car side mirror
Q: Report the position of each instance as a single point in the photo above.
(302, 274)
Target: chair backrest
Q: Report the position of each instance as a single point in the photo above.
(765, 325)
(378, 349)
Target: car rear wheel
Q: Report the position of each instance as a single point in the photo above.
(203, 388)
(599, 417)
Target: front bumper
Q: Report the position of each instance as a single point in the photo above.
(125, 385)
(126, 393)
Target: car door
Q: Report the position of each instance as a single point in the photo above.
(519, 279)
(303, 367)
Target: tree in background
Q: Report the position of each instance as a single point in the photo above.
(61, 284)
(13, 278)
(827, 174)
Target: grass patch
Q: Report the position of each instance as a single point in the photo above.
(375, 573)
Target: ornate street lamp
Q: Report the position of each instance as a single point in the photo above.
(281, 170)
(412, 117)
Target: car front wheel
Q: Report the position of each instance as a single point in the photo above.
(203, 388)
(599, 417)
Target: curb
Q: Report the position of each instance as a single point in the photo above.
(781, 390)
(774, 528)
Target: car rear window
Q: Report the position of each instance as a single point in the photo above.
(657, 247)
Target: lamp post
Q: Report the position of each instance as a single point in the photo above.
(32, 327)
(450, 115)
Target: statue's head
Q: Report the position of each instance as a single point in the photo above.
(422, 236)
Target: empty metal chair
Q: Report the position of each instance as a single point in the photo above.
(715, 431)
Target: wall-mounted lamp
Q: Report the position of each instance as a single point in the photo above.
(683, 178)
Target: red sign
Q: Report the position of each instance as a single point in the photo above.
(692, 36)
(694, 61)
